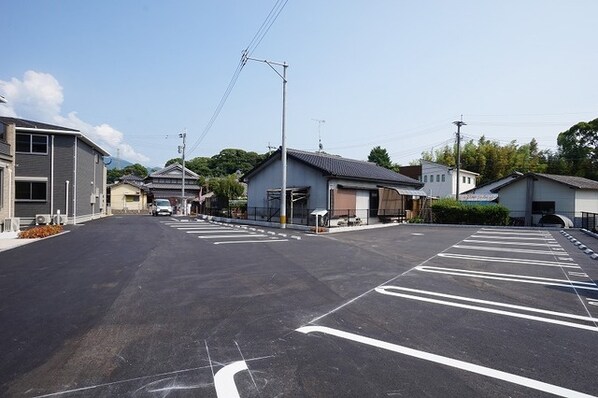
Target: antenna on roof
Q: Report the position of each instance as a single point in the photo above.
(270, 147)
(319, 121)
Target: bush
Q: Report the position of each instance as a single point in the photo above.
(450, 211)
(41, 231)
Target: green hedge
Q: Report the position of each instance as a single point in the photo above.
(449, 211)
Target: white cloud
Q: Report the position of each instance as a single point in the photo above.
(39, 96)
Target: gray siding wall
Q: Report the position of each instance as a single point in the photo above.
(298, 175)
(90, 168)
(63, 171)
(90, 180)
(33, 165)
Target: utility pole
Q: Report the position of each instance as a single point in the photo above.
(183, 135)
(459, 123)
(283, 148)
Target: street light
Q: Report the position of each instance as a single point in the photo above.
(283, 150)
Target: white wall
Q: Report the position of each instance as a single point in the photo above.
(586, 200)
(448, 187)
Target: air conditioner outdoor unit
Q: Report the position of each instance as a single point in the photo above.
(43, 219)
(60, 219)
(12, 224)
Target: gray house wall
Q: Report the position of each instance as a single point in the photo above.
(33, 166)
(63, 171)
(58, 166)
(298, 175)
(89, 182)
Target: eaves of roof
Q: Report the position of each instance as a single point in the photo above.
(573, 182)
(339, 167)
(32, 126)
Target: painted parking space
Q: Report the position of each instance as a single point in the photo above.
(218, 233)
(495, 285)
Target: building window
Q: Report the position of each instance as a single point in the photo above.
(425, 178)
(543, 207)
(442, 177)
(132, 198)
(31, 143)
(30, 190)
(463, 179)
(469, 180)
(437, 177)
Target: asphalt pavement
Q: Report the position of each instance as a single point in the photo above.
(145, 306)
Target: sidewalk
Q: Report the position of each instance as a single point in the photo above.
(9, 240)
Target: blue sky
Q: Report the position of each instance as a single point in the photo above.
(134, 74)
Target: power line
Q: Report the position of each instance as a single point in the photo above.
(252, 46)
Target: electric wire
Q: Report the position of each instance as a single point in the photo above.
(251, 47)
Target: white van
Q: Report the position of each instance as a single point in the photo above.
(161, 206)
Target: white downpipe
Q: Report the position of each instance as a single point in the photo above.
(66, 202)
(75, 183)
(52, 179)
(10, 198)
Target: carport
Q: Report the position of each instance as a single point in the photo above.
(399, 204)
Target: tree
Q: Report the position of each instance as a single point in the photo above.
(226, 187)
(578, 146)
(229, 160)
(380, 156)
(136, 169)
(492, 160)
(113, 175)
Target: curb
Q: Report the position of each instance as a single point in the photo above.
(581, 246)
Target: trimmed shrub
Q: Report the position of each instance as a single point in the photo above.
(41, 231)
(449, 211)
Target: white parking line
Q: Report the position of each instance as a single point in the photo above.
(385, 290)
(512, 237)
(230, 236)
(217, 231)
(513, 243)
(510, 277)
(524, 261)
(502, 249)
(230, 242)
(512, 232)
(206, 228)
(224, 380)
(446, 361)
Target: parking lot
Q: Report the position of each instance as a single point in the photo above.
(501, 313)
(186, 308)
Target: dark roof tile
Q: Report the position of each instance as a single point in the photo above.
(337, 166)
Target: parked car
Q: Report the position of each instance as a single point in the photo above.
(161, 206)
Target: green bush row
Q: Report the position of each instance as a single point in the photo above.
(449, 211)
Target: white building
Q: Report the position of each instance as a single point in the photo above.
(534, 195)
(440, 181)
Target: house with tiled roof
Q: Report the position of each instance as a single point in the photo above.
(128, 195)
(167, 183)
(532, 196)
(57, 174)
(350, 190)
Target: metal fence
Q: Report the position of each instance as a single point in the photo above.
(517, 218)
(302, 216)
(588, 221)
